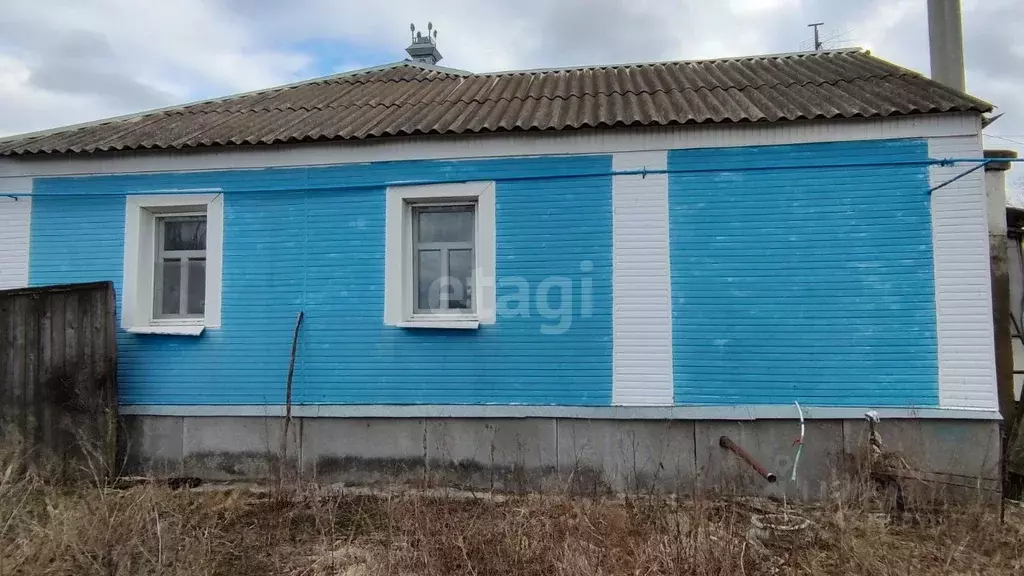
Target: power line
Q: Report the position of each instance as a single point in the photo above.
(1018, 142)
(836, 39)
(826, 41)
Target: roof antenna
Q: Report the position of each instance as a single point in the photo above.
(817, 40)
(412, 32)
(423, 48)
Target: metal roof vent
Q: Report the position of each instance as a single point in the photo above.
(424, 48)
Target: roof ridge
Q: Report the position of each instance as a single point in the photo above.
(758, 86)
(687, 61)
(259, 107)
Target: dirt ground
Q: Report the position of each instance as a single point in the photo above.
(310, 530)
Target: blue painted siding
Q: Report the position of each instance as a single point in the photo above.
(808, 285)
(289, 247)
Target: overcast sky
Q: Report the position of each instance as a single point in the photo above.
(68, 61)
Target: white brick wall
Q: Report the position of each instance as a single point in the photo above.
(963, 304)
(642, 316)
(15, 218)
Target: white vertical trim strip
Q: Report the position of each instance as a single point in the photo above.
(15, 225)
(963, 294)
(641, 285)
(214, 261)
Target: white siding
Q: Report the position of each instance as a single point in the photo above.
(15, 219)
(642, 314)
(963, 301)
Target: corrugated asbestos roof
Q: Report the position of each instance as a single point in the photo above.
(408, 98)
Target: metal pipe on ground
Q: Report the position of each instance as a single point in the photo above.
(728, 444)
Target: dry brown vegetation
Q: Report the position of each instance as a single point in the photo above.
(309, 530)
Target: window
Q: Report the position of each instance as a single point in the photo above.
(172, 264)
(440, 256)
(443, 257)
(180, 276)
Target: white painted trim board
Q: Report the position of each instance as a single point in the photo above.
(583, 141)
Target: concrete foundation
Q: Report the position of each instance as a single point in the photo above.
(554, 454)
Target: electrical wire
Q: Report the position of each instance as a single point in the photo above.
(449, 179)
(1011, 140)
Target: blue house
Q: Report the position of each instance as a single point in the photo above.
(603, 268)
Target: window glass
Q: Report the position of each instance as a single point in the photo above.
(443, 257)
(185, 233)
(446, 224)
(196, 298)
(428, 280)
(460, 272)
(169, 274)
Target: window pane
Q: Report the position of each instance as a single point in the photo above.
(460, 288)
(196, 297)
(169, 272)
(185, 233)
(428, 285)
(454, 224)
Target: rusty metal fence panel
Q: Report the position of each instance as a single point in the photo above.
(58, 376)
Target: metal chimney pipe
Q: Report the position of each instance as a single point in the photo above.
(946, 42)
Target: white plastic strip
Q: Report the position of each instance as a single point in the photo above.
(963, 296)
(642, 311)
(15, 224)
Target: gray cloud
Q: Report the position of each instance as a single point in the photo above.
(83, 63)
(577, 32)
(78, 63)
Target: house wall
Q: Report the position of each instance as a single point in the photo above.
(288, 247)
(633, 363)
(811, 285)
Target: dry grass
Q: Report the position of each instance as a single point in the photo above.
(152, 529)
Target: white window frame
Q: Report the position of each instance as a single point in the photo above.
(399, 277)
(140, 253)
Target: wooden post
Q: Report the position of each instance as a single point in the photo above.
(288, 393)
